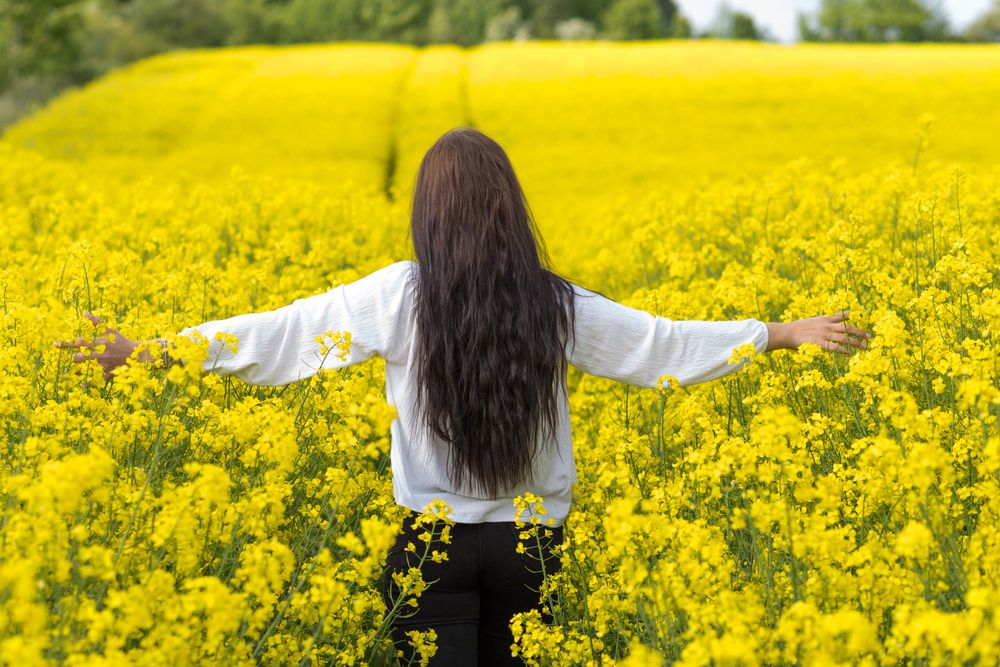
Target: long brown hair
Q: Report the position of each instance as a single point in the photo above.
(492, 318)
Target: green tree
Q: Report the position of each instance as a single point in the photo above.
(544, 16)
(398, 20)
(253, 21)
(321, 20)
(633, 19)
(668, 16)
(744, 27)
(463, 21)
(42, 38)
(505, 25)
(363, 20)
(875, 21)
(179, 23)
(986, 28)
(109, 40)
(590, 10)
(681, 28)
(734, 24)
(808, 32)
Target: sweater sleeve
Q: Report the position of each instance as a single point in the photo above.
(635, 347)
(279, 346)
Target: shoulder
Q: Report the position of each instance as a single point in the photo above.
(393, 282)
(393, 275)
(401, 273)
(579, 290)
(588, 297)
(405, 266)
(381, 284)
(596, 309)
(398, 269)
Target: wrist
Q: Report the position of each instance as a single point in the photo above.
(142, 355)
(145, 355)
(779, 336)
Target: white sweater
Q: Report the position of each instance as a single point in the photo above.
(612, 341)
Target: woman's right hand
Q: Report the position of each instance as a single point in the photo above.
(830, 332)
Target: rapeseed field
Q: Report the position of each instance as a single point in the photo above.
(811, 509)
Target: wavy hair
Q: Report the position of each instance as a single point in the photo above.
(492, 318)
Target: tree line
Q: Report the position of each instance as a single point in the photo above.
(48, 44)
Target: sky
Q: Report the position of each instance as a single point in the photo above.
(778, 17)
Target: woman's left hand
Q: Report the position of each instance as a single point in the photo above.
(117, 348)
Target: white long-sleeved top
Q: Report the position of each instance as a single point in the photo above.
(611, 340)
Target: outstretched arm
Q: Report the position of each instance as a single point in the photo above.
(830, 332)
(280, 346)
(115, 348)
(636, 347)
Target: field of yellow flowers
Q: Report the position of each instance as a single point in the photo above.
(811, 509)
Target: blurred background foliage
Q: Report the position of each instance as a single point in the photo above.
(47, 45)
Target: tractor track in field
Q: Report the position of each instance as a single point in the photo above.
(393, 155)
(395, 122)
(463, 92)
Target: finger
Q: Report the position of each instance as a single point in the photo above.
(840, 316)
(94, 319)
(844, 338)
(830, 346)
(98, 322)
(847, 333)
(854, 331)
(76, 342)
(81, 356)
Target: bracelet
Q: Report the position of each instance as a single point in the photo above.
(167, 360)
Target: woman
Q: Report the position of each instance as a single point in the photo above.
(476, 336)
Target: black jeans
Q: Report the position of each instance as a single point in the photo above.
(482, 584)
